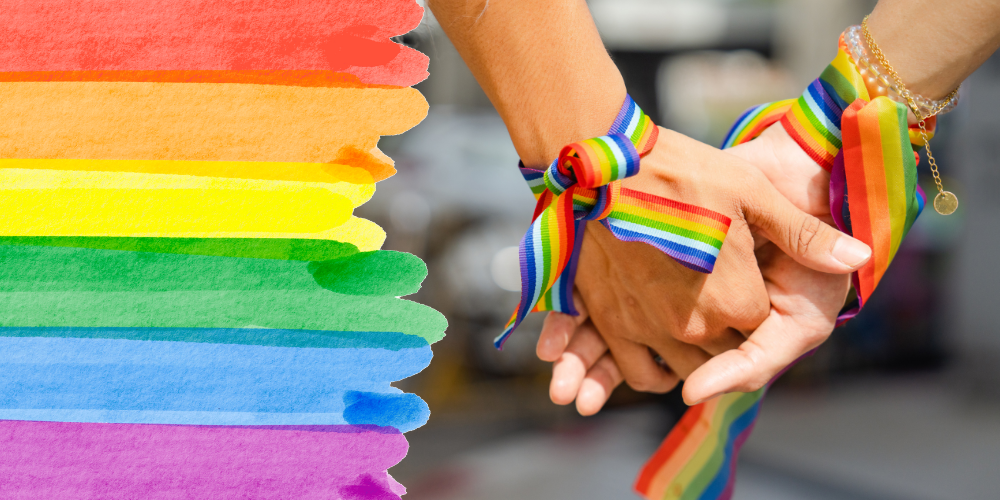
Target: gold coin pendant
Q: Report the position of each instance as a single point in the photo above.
(946, 203)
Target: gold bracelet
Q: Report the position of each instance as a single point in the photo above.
(945, 203)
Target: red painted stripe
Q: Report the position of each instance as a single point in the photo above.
(175, 35)
(296, 78)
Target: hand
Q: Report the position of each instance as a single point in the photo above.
(706, 314)
(804, 303)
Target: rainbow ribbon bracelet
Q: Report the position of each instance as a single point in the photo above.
(584, 184)
(870, 151)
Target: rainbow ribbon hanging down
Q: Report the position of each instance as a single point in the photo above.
(870, 151)
(582, 185)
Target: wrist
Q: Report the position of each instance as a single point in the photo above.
(542, 125)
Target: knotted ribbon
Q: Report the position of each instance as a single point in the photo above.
(584, 184)
(870, 151)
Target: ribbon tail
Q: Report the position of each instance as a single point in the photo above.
(544, 253)
(698, 458)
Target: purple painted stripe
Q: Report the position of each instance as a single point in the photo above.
(90, 461)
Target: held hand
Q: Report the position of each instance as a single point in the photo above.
(804, 303)
(643, 304)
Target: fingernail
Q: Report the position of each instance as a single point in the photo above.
(851, 252)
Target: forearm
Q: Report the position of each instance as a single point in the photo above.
(936, 44)
(543, 66)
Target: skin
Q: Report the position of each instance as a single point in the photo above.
(931, 61)
(544, 68)
(803, 304)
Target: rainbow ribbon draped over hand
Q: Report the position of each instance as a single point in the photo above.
(870, 151)
(584, 184)
(868, 147)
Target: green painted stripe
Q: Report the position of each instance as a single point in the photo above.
(260, 248)
(38, 269)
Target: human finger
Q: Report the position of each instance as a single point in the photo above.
(568, 372)
(803, 237)
(641, 372)
(679, 357)
(769, 350)
(558, 330)
(597, 386)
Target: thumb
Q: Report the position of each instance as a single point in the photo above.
(774, 346)
(803, 237)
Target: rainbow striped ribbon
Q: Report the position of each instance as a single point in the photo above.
(583, 184)
(870, 151)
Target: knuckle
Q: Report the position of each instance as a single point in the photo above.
(631, 302)
(757, 309)
(808, 230)
(693, 336)
(696, 331)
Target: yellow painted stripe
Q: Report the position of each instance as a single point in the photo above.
(17, 178)
(60, 203)
(193, 121)
(275, 171)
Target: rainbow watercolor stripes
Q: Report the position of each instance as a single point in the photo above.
(583, 184)
(869, 150)
(190, 307)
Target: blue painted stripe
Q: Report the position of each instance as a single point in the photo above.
(111, 374)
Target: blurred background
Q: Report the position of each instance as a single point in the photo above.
(902, 403)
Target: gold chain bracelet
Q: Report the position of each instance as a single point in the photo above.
(945, 203)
